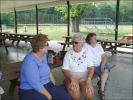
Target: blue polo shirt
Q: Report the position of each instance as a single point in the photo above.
(34, 73)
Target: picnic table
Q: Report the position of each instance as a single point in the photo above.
(17, 37)
(128, 37)
(67, 42)
(108, 45)
(24, 37)
(111, 45)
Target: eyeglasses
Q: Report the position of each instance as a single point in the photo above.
(75, 42)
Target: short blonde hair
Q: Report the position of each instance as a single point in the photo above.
(38, 42)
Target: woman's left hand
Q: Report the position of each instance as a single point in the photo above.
(90, 86)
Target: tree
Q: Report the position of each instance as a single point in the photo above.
(126, 12)
(107, 11)
(76, 13)
(7, 18)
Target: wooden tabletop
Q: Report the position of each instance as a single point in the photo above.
(16, 34)
(114, 41)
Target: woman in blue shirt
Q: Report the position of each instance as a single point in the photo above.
(37, 82)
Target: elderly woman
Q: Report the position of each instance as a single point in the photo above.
(99, 60)
(37, 82)
(78, 70)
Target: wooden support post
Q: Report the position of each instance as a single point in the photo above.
(15, 20)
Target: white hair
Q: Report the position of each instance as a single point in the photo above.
(78, 36)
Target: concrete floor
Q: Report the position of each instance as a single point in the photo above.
(119, 85)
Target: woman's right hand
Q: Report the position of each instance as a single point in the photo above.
(74, 84)
(46, 93)
(49, 97)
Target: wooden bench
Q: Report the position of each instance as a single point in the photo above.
(11, 72)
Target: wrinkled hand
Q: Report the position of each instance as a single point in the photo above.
(90, 86)
(73, 84)
(49, 97)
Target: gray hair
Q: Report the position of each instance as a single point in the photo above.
(80, 37)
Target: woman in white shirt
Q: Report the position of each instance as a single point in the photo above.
(78, 70)
(99, 60)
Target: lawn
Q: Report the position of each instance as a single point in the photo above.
(56, 31)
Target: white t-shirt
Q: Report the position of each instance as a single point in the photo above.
(96, 53)
(77, 62)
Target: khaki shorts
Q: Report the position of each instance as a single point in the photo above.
(81, 76)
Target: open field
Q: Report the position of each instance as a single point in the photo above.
(56, 31)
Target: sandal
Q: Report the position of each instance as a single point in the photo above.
(101, 94)
(99, 84)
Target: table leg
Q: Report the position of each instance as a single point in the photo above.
(13, 84)
(13, 42)
(6, 47)
(17, 43)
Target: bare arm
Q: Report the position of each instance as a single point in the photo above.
(44, 91)
(52, 78)
(104, 59)
(67, 74)
(90, 73)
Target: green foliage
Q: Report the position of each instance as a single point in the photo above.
(91, 12)
(88, 10)
(126, 11)
(62, 11)
(78, 10)
(107, 11)
(7, 18)
(75, 10)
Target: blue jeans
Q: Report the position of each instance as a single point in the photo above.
(56, 92)
(98, 71)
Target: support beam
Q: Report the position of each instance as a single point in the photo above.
(36, 19)
(68, 20)
(117, 22)
(15, 20)
(0, 24)
(117, 19)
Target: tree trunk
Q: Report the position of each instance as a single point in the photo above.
(75, 24)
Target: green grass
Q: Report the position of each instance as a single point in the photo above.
(55, 32)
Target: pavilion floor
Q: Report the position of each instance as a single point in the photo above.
(119, 85)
